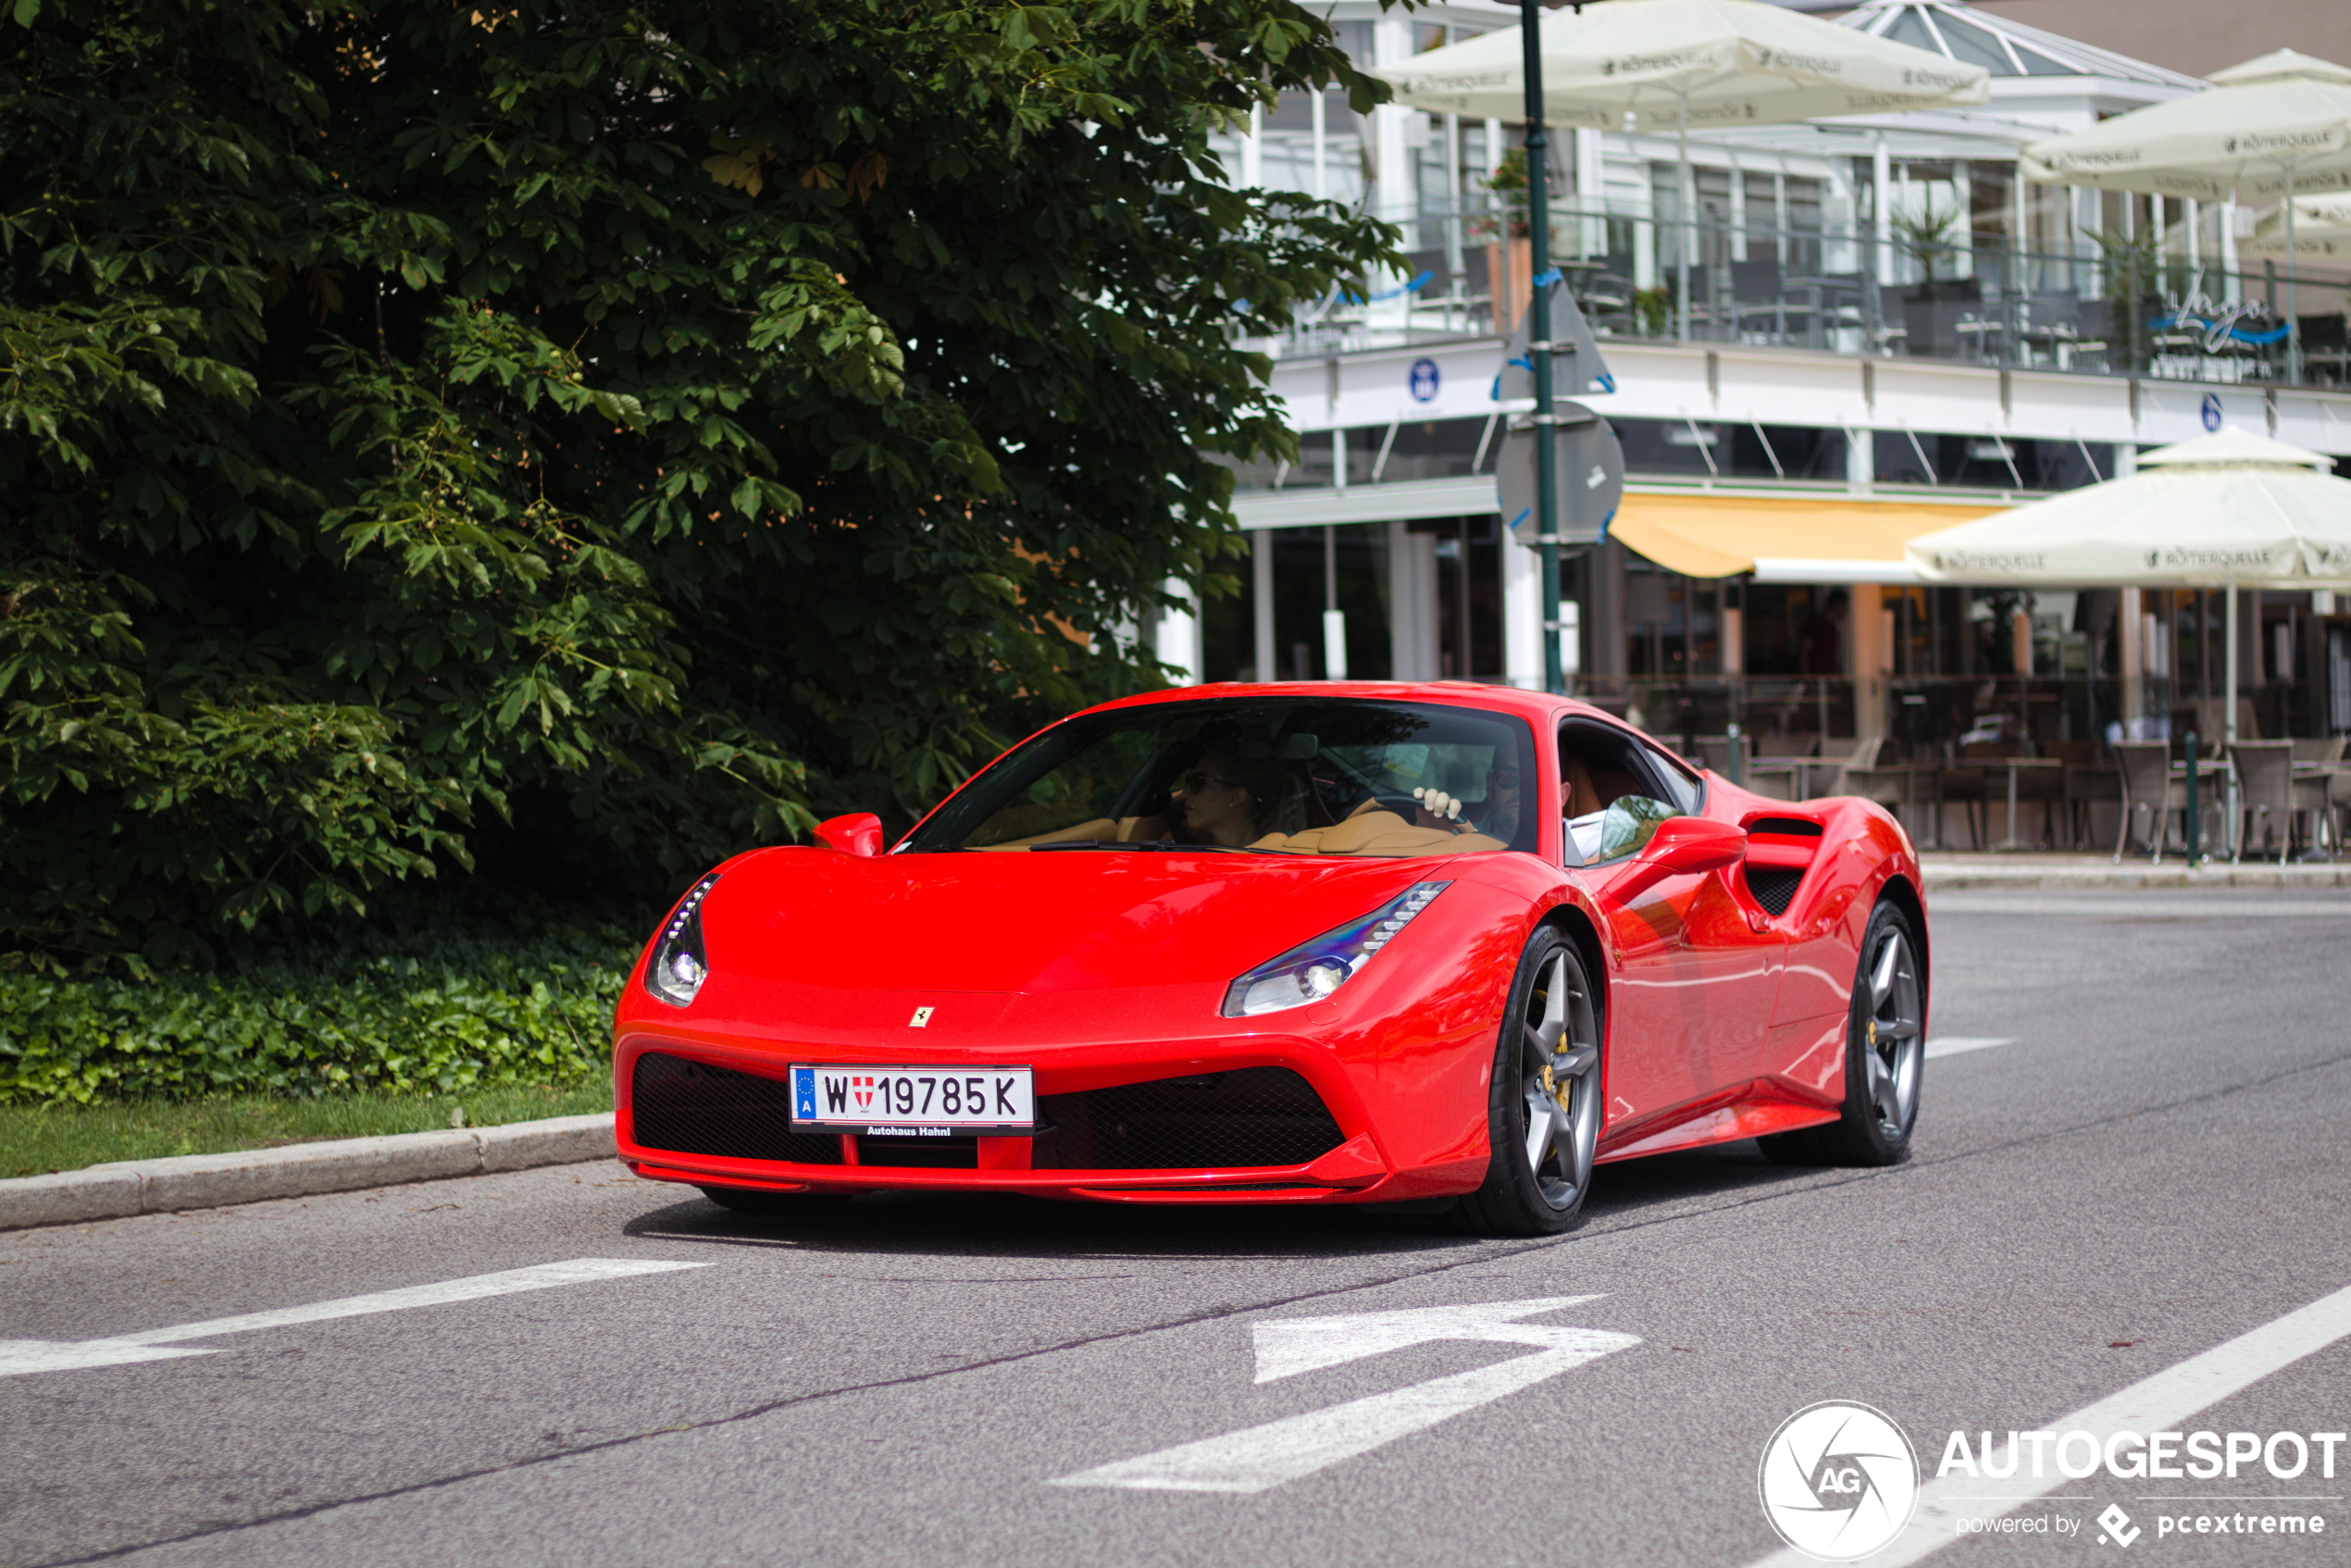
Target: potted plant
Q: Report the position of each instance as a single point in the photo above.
(1509, 245)
(2132, 266)
(1653, 310)
(1931, 307)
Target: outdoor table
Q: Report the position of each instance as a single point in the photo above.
(2015, 766)
(1798, 771)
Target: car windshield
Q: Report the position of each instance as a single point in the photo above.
(1279, 776)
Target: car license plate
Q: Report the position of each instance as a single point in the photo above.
(913, 1101)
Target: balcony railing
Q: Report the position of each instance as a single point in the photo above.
(1927, 716)
(2102, 308)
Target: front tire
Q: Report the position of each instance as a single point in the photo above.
(1543, 1100)
(1884, 1056)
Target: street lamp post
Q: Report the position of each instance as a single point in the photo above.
(1538, 223)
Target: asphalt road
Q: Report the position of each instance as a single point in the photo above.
(2153, 1165)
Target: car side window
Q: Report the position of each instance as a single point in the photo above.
(1613, 793)
(1683, 789)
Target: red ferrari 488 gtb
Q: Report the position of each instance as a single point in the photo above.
(1328, 943)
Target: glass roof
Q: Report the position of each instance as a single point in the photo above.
(1959, 31)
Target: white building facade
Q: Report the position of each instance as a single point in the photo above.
(1888, 331)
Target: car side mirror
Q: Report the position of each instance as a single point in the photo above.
(858, 833)
(1683, 846)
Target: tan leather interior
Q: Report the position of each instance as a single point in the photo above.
(1378, 832)
(1585, 789)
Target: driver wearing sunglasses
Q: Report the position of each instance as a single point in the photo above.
(1214, 806)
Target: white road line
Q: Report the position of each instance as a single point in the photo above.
(1952, 1045)
(1259, 1458)
(2160, 1403)
(38, 1355)
(2130, 905)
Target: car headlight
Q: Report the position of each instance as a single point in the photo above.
(1311, 971)
(678, 966)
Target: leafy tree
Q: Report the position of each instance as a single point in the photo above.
(592, 436)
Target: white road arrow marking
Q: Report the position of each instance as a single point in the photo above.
(1291, 1345)
(18, 1356)
(1259, 1458)
(1952, 1045)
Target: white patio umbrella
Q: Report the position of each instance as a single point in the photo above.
(2232, 510)
(2271, 127)
(2322, 226)
(1669, 65)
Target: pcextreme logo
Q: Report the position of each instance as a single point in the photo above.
(1838, 1481)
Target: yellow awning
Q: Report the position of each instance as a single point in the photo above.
(1782, 539)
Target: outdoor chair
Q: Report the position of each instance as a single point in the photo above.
(2085, 786)
(1962, 787)
(1757, 301)
(1774, 777)
(1977, 787)
(2265, 792)
(1868, 774)
(1833, 308)
(2043, 786)
(2315, 794)
(1782, 774)
(2338, 810)
(2147, 788)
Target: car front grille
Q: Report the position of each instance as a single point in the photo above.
(694, 1108)
(1252, 1117)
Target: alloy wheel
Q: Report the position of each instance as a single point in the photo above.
(1893, 1042)
(1560, 1055)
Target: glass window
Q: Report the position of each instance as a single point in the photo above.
(1614, 789)
(1440, 449)
(1909, 28)
(1972, 45)
(1280, 775)
(1670, 446)
(1683, 788)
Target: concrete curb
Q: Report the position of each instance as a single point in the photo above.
(212, 1181)
(2026, 876)
(302, 1170)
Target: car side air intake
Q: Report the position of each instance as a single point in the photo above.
(694, 1108)
(1252, 1117)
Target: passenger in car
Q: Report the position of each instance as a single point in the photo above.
(1227, 798)
(1585, 788)
(1586, 794)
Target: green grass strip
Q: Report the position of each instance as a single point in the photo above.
(35, 1139)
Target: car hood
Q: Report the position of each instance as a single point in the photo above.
(1061, 920)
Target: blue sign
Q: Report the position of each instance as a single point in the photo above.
(2211, 411)
(1425, 380)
